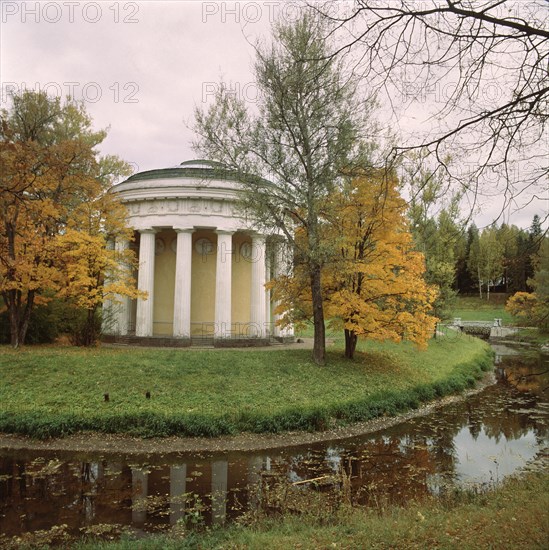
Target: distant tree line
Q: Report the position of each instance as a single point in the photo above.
(463, 259)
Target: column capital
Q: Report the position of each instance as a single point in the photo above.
(148, 230)
(258, 237)
(224, 232)
(184, 229)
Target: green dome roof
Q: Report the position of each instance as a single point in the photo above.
(199, 169)
(196, 169)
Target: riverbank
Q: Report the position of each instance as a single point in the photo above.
(510, 515)
(59, 392)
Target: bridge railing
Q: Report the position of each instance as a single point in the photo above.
(459, 323)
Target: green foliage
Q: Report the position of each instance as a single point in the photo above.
(203, 393)
(486, 259)
(533, 308)
(540, 284)
(436, 228)
(52, 320)
(43, 326)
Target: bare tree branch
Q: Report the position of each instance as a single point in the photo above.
(476, 70)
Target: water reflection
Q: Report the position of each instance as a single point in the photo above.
(479, 441)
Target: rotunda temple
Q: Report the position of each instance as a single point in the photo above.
(201, 262)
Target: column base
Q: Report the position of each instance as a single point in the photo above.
(285, 339)
(147, 341)
(172, 342)
(241, 342)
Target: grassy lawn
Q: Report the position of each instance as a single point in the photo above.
(472, 308)
(57, 391)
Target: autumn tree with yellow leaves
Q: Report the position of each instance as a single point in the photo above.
(93, 270)
(373, 283)
(56, 213)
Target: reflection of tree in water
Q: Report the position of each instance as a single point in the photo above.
(103, 487)
(381, 469)
(39, 493)
(474, 420)
(505, 409)
(420, 456)
(527, 374)
(444, 428)
(509, 415)
(390, 469)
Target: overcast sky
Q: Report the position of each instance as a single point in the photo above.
(141, 68)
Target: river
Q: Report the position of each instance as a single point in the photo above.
(474, 443)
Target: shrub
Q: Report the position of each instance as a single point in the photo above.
(522, 305)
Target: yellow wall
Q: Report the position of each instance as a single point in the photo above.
(164, 285)
(242, 281)
(203, 286)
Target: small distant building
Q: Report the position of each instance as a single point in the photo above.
(201, 262)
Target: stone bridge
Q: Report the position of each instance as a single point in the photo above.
(483, 329)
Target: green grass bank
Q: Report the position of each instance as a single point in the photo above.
(510, 516)
(50, 392)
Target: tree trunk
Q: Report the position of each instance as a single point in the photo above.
(89, 331)
(14, 324)
(319, 345)
(26, 317)
(351, 340)
(479, 283)
(19, 316)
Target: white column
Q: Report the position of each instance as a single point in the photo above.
(178, 483)
(268, 328)
(123, 305)
(257, 314)
(183, 271)
(220, 474)
(108, 323)
(145, 282)
(223, 284)
(140, 487)
(282, 267)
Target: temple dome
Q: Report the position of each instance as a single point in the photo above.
(196, 169)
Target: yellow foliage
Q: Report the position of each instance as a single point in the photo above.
(372, 283)
(56, 214)
(522, 305)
